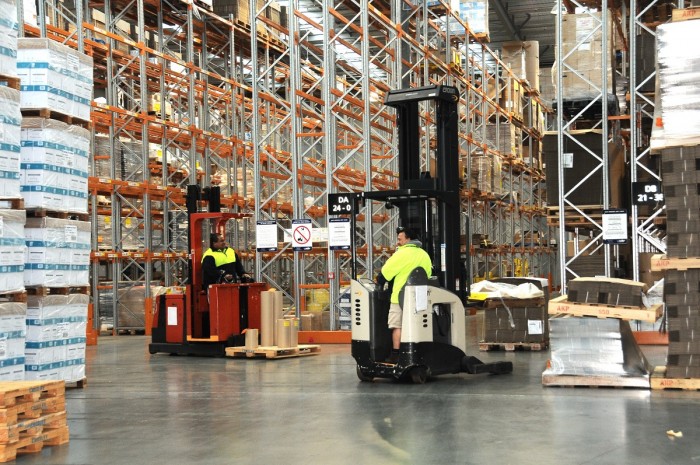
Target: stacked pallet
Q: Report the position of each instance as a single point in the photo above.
(591, 340)
(681, 265)
(515, 314)
(32, 415)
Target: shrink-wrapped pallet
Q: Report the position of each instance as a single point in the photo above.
(54, 168)
(585, 58)
(10, 130)
(12, 340)
(8, 38)
(678, 73)
(54, 77)
(55, 342)
(12, 250)
(58, 252)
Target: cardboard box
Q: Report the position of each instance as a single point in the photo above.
(580, 164)
(523, 58)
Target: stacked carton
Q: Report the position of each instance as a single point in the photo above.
(58, 252)
(678, 66)
(12, 250)
(12, 334)
(511, 324)
(10, 121)
(54, 77)
(523, 58)
(54, 169)
(582, 45)
(55, 342)
(680, 168)
(8, 38)
(509, 138)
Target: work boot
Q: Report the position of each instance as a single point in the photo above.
(393, 357)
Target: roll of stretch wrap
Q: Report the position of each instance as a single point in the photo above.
(267, 319)
(284, 333)
(251, 339)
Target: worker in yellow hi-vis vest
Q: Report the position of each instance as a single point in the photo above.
(221, 264)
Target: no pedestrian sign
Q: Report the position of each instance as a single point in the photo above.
(301, 235)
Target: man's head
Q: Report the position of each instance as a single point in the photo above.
(404, 235)
(217, 241)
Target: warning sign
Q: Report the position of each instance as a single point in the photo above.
(301, 235)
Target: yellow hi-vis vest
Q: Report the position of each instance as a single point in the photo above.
(399, 266)
(221, 257)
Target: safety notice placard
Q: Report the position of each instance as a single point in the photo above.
(339, 233)
(301, 235)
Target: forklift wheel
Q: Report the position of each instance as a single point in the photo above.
(419, 375)
(363, 375)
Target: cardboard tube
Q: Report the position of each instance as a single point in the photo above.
(294, 334)
(251, 338)
(279, 311)
(284, 329)
(267, 319)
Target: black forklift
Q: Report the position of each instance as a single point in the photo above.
(433, 339)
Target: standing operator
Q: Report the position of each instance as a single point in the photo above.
(221, 264)
(408, 256)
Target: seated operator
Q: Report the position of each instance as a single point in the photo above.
(221, 264)
(408, 256)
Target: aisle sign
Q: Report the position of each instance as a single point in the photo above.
(339, 234)
(341, 204)
(301, 235)
(266, 236)
(615, 226)
(647, 192)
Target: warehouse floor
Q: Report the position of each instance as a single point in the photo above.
(159, 409)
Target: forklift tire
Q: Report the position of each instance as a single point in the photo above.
(363, 375)
(419, 375)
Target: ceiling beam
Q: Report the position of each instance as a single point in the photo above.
(502, 14)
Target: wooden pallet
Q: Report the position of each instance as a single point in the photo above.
(14, 392)
(10, 433)
(12, 204)
(561, 306)
(31, 409)
(56, 115)
(12, 82)
(44, 291)
(513, 346)
(594, 381)
(662, 263)
(273, 352)
(16, 296)
(574, 218)
(45, 212)
(28, 444)
(659, 381)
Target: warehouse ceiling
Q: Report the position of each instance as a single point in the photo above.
(524, 20)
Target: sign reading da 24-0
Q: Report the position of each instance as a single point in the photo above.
(341, 204)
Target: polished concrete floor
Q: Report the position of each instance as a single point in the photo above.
(159, 409)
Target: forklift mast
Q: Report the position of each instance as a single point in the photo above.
(421, 199)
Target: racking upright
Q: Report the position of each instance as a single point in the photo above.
(646, 231)
(589, 30)
(277, 113)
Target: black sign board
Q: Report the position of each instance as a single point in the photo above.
(648, 192)
(341, 204)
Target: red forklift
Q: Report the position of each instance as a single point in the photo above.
(205, 321)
